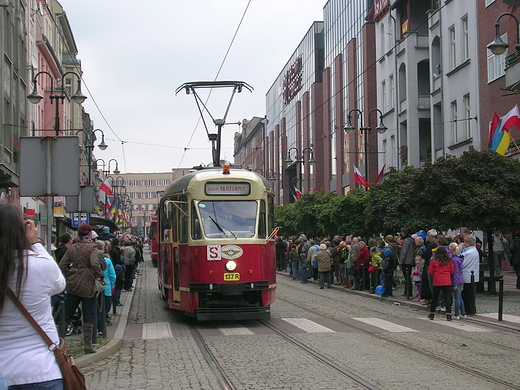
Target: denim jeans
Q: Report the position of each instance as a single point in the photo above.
(56, 384)
(295, 266)
(87, 307)
(459, 303)
(305, 274)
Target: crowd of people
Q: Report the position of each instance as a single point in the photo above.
(436, 270)
(91, 268)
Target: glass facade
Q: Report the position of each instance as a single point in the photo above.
(304, 68)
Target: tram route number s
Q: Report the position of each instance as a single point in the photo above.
(214, 252)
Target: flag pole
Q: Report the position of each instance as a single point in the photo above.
(517, 147)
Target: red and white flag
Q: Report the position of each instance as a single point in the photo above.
(105, 187)
(297, 193)
(380, 176)
(512, 118)
(360, 179)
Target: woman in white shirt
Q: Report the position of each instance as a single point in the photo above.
(34, 276)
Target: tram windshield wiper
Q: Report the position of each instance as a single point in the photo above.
(220, 227)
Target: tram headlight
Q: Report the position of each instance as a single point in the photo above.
(231, 265)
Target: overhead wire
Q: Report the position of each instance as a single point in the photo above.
(187, 147)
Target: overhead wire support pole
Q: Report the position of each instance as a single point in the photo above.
(216, 139)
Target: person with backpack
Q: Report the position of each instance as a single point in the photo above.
(388, 265)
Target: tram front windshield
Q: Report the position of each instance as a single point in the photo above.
(228, 219)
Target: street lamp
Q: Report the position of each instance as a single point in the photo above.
(300, 160)
(498, 46)
(272, 177)
(106, 171)
(90, 137)
(35, 97)
(350, 129)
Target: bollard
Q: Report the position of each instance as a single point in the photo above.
(114, 303)
(62, 326)
(94, 323)
(500, 297)
(103, 315)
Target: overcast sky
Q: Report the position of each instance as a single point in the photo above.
(135, 54)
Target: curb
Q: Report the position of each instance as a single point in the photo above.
(116, 342)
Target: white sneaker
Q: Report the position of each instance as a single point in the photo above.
(438, 308)
(443, 308)
(456, 317)
(464, 316)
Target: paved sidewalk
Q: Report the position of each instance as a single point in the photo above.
(112, 343)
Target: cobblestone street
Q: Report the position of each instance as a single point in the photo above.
(385, 345)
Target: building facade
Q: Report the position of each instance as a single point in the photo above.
(144, 191)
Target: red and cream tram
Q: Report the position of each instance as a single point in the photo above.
(152, 241)
(216, 252)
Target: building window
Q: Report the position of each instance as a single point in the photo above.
(453, 47)
(465, 37)
(496, 64)
(467, 121)
(454, 127)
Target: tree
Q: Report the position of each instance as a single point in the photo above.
(389, 206)
(479, 190)
(350, 213)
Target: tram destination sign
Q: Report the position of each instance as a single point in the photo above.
(227, 188)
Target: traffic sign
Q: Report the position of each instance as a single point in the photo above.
(79, 219)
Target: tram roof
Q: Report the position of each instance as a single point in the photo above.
(181, 184)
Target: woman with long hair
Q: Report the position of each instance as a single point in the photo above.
(442, 269)
(80, 265)
(33, 276)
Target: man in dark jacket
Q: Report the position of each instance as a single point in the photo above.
(407, 262)
(115, 253)
(281, 248)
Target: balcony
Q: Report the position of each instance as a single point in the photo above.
(513, 72)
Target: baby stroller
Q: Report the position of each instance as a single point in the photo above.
(74, 325)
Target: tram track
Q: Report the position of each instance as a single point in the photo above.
(321, 358)
(470, 320)
(226, 383)
(213, 363)
(438, 359)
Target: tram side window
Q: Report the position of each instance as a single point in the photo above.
(196, 231)
(270, 210)
(165, 222)
(183, 219)
(262, 221)
(175, 229)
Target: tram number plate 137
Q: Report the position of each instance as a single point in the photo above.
(231, 276)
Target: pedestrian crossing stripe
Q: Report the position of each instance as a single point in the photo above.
(505, 317)
(235, 331)
(163, 330)
(385, 325)
(158, 330)
(458, 324)
(307, 325)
